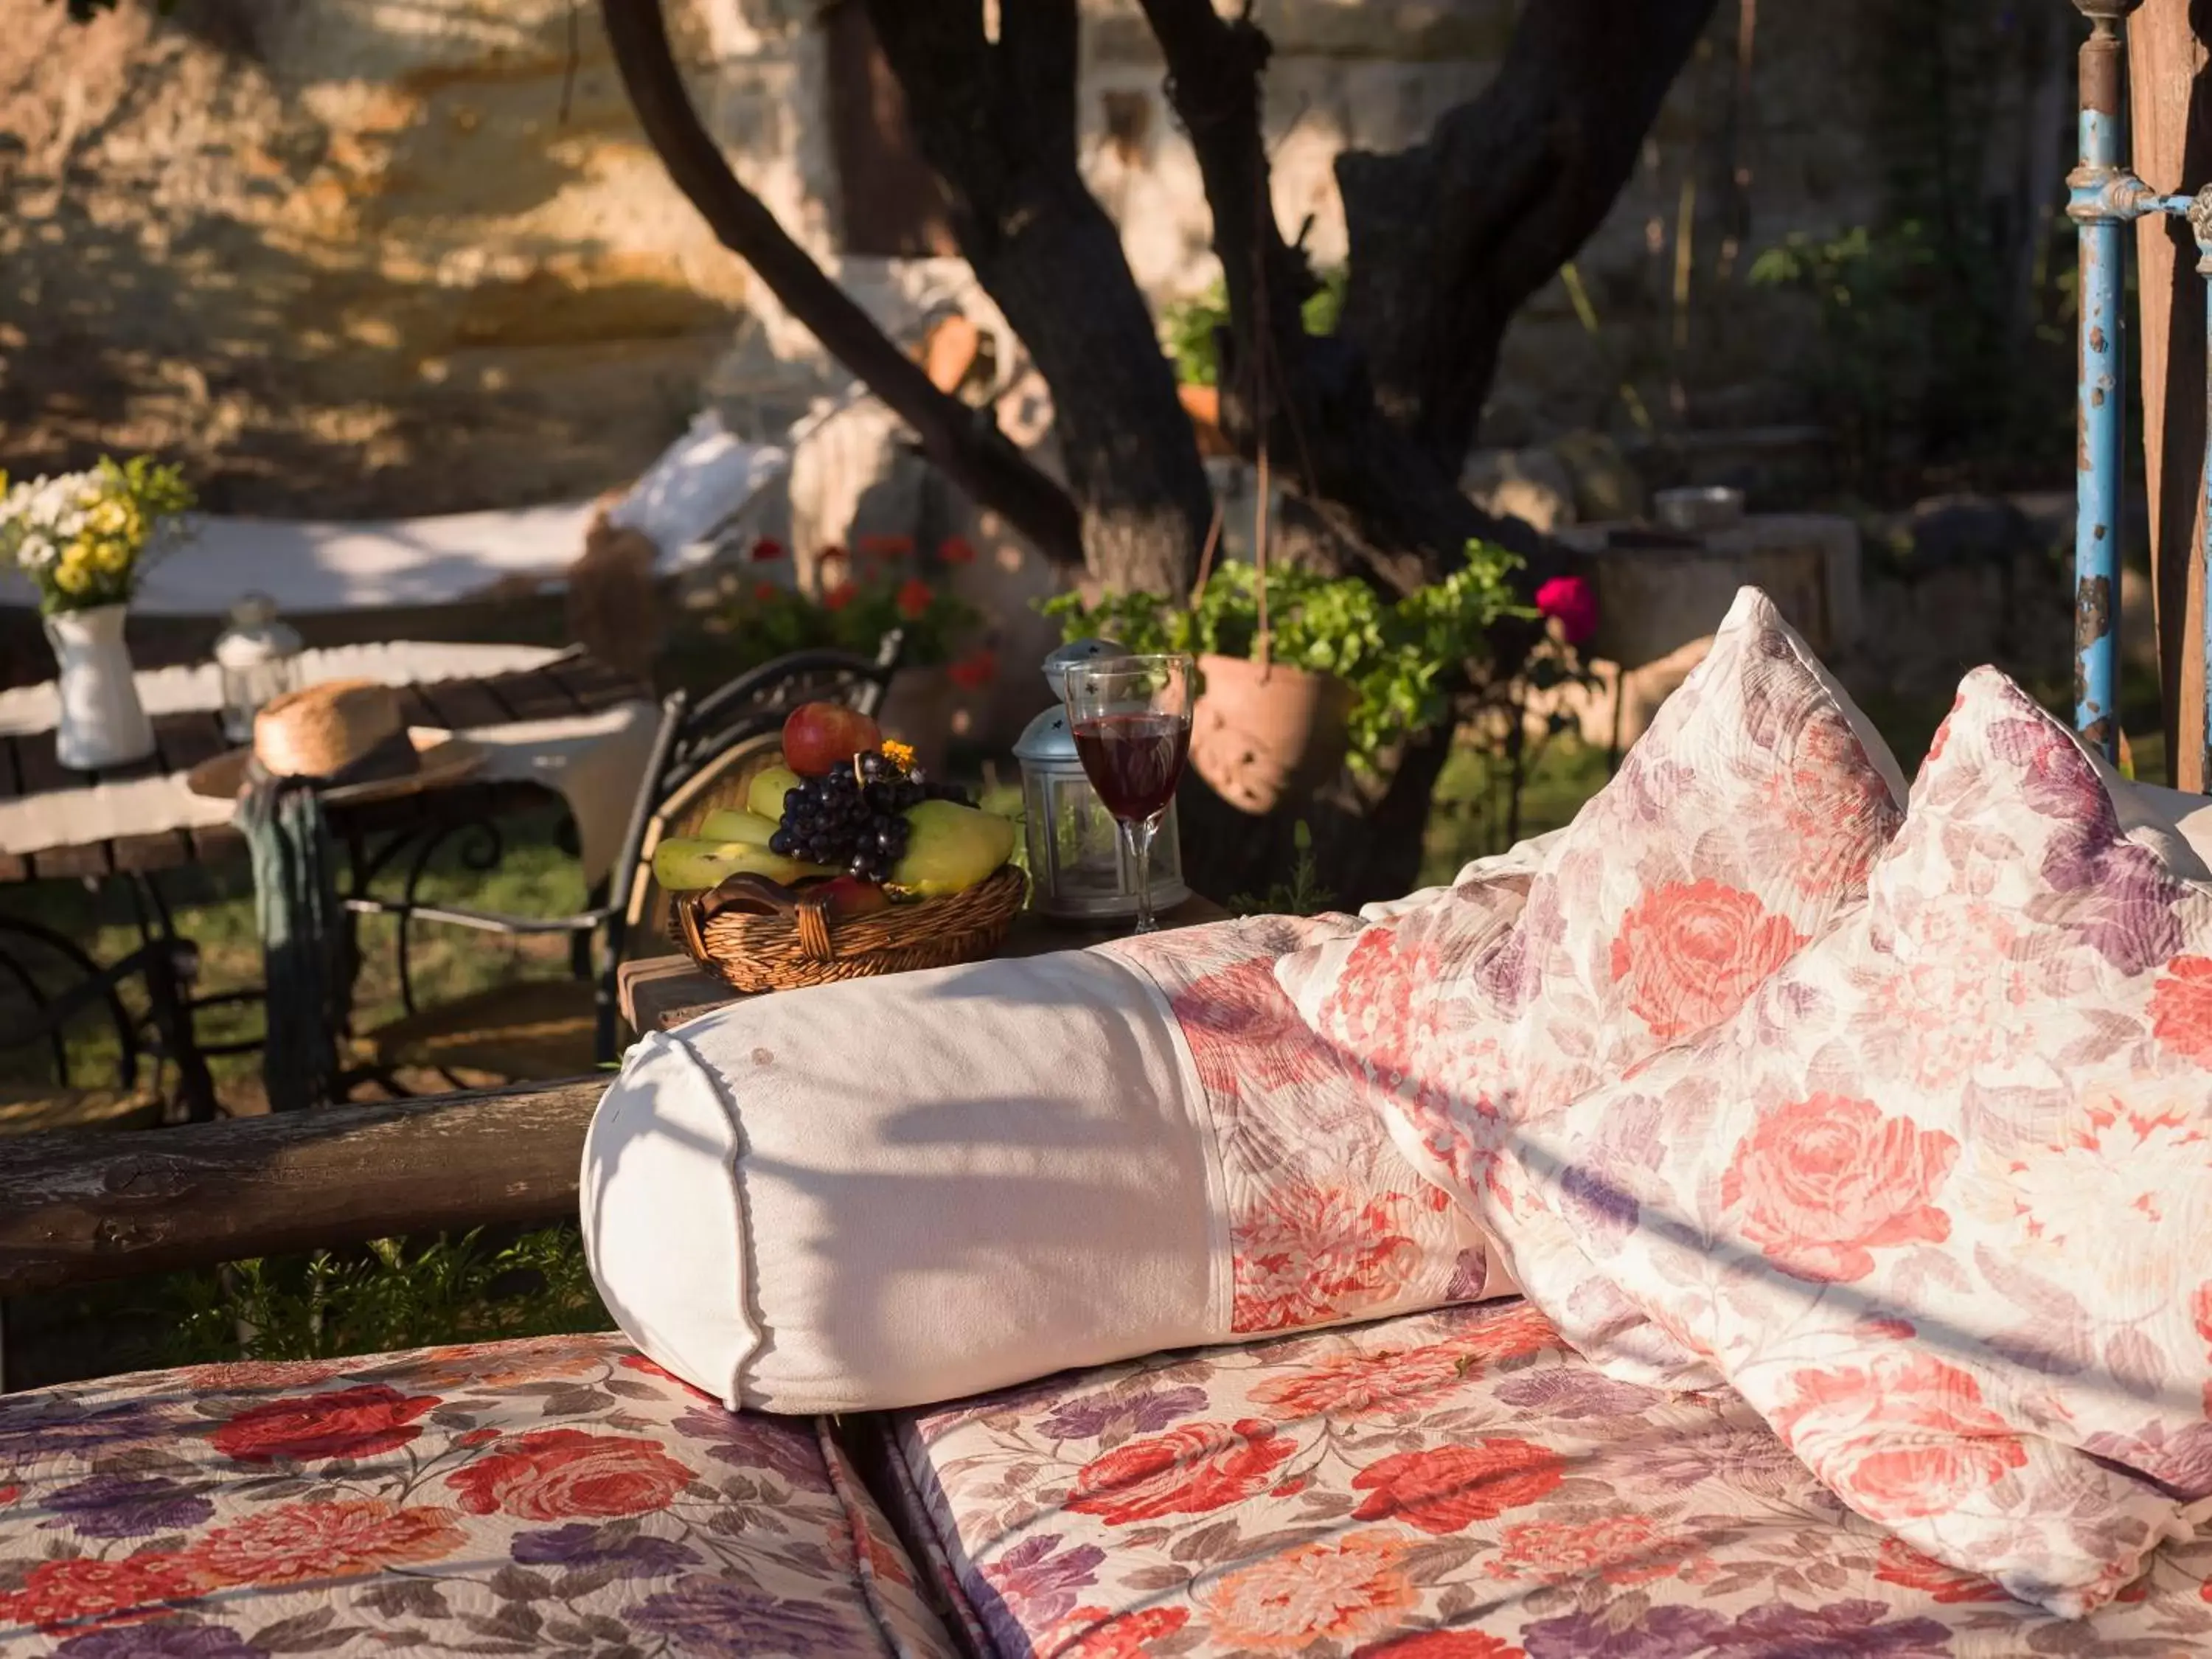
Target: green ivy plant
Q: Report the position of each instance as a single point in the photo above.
(1187, 326)
(1398, 657)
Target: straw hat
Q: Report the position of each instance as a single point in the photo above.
(348, 738)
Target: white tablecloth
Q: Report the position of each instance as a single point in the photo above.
(594, 761)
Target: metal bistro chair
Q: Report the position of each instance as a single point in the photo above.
(49, 987)
(703, 756)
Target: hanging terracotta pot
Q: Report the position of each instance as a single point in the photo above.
(1262, 736)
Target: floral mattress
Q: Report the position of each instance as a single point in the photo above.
(1446, 1486)
(555, 1497)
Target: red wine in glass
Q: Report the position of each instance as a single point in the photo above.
(1134, 761)
(1130, 717)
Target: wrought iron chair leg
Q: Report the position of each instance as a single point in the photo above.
(172, 1018)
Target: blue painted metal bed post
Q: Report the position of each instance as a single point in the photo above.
(2103, 196)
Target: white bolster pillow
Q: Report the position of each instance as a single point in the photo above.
(895, 1191)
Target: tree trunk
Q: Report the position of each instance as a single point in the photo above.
(997, 121)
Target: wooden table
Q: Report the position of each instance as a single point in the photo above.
(660, 992)
(566, 685)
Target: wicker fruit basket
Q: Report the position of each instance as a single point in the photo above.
(788, 949)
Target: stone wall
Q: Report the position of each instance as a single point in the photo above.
(354, 256)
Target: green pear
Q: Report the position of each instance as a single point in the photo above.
(691, 866)
(730, 825)
(949, 849)
(765, 795)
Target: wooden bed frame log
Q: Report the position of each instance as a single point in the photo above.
(77, 1206)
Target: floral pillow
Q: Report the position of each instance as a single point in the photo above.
(1738, 828)
(1938, 1200)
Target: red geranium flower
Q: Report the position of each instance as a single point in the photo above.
(1187, 1471)
(914, 597)
(887, 546)
(557, 1474)
(973, 672)
(956, 550)
(767, 551)
(839, 596)
(1569, 601)
(765, 592)
(360, 1422)
(1443, 1490)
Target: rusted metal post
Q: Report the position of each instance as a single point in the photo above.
(2200, 227)
(2103, 195)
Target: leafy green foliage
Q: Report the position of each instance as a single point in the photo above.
(851, 616)
(395, 1295)
(1303, 894)
(1187, 327)
(1399, 659)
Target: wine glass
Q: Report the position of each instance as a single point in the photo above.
(1130, 717)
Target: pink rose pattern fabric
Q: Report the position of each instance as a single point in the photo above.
(1455, 1485)
(558, 1496)
(1739, 827)
(1938, 1200)
(1327, 1220)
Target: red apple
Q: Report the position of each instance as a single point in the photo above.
(848, 896)
(820, 734)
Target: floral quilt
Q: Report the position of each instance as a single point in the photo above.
(1456, 1484)
(1327, 1222)
(552, 1497)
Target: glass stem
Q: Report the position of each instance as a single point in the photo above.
(1137, 836)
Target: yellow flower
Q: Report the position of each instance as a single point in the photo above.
(71, 577)
(110, 518)
(113, 556)
(900, 755)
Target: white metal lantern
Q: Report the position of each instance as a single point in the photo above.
(1079, 871)
(259, 658)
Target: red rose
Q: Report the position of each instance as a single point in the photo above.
(1901, 1436)
(359, 1422)
(839, 596)
(767, 549)
(956, 550)
(2181, 1008)
(914, 598)
(86, 1591)
(1901, 1564)
(1125, 1636)
(1569, 601)
(1187, 1471)
(1443, 1490)
(1442, 1645)
(1691, 952)
(1823, 1181)
(557, 1474)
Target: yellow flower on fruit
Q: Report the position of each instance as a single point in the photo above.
(900, 755)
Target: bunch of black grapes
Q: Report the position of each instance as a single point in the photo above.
(855, 815)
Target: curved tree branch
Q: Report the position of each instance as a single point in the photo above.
(966, 445)
(997, 122)
(1448, 238)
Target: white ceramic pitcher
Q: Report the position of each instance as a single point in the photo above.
(102, 721)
